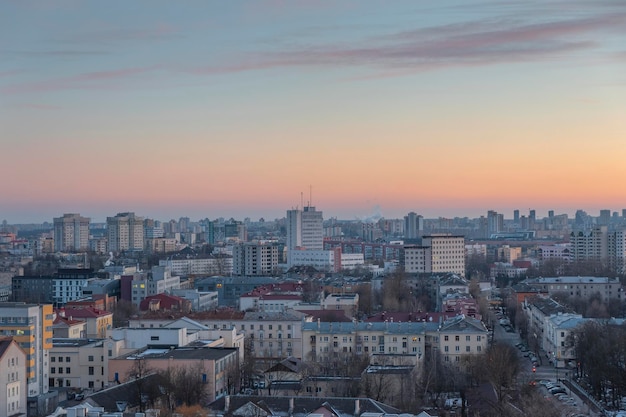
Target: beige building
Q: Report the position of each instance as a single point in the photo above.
(97, 321)
(509, 254)
(447, 253)
(125, 232)
(63, 327)
(458, 337)
(71, 233)
(13, 389)
(82, 363)
(215, 367)
(580, 287)
(273, 336)
(324, 341)
(438, 253)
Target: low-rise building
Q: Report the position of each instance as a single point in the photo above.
(214, 367)
(82, 363)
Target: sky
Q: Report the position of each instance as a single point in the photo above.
(249, 108)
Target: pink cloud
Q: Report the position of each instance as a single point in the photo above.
(466, 44)
(93, 80)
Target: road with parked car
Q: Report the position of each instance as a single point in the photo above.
(540, 372)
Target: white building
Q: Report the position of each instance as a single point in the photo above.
(218, 265)
(71, 233)
(326, 260)
(305, 230)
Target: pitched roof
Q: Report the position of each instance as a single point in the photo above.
(302, 406)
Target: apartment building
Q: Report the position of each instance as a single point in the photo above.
(558, 336)
(30, 325)
(125, 232)
(97, 322)
(437, 253)
(159, 280)
(213, 265)
(323, 341)
(82, 363)
(214, 366)
(447, 253)
(12, 378)
(273, 335)
(65, 285)
(580, 287)
(458, 337)
(71, 233)
(255, 259)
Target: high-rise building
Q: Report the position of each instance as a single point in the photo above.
(71, 233)
(495, 222)
(255, 259)
(516, 216)
(31, 325)
(125, 232)
(605, 218)
(305, 229)
(438, 253)
(413, 226)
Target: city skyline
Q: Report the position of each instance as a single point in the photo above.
(374, 215)
(233, 109)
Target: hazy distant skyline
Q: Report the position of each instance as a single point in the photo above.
(375, 212)
(232, 109)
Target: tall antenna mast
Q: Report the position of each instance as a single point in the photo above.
(310, 195)
(301, 200)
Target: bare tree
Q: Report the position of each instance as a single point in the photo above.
(501, 365)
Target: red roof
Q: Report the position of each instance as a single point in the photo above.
(84, 313)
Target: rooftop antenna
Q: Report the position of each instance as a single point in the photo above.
(302, 200)
(310, 195)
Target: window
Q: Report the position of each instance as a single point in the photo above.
(53, 370)
(467, 338)
(445, 348)
(445, 338)
(467, 349)
(90, 358)
(91, 370)
(67, 359)
(68, 371)
(457, 338)
(60, 358)
(154, 338)
(53, 359)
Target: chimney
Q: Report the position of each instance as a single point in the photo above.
(226, 403)
(357, 407)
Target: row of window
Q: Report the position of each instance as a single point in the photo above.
(458, 349)
(468, 338)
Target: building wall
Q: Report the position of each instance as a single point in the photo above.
(13, 384)
(71, 233)
(31, 327)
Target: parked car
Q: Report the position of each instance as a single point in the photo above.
(557, 390)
